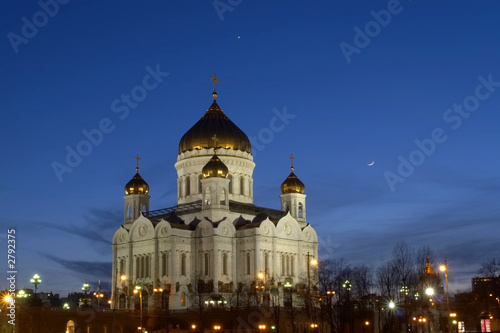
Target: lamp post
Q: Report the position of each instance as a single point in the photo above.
(36, 280)
(288, 286)
(310, 262)
(138, 290)
(444, 268)
(85, 289)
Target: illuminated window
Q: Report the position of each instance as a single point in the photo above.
(70, 327)
(183, 299)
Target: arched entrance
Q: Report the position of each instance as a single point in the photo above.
(70, 326)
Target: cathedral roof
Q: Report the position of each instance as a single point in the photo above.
(214, 121)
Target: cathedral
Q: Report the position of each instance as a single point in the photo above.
(215, 238)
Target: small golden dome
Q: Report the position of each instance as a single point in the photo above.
(292, 184)
(214, 121)
(137, 185)
(215, 168)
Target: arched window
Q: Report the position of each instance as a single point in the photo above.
(138, 267)
(283, 264)
(200, 188)
(207, 262)
(224, 264)
(301, 210)
(122, 302)
(148, 259)
(188, 185)
(208, 197)
(287, 265)
(183, 264)
(242, 185)
(143, 208)
(248, 263)
(291, 265)
(183, 299)
(230, 188)
(266, 262)
(222, 196)
(143, 264)
(129, 211)
(164, 264)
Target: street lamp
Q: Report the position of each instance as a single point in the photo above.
(36, 281)
(310, 262)
(444, 268)
(85, 288)
(217, 327)
(138, 290)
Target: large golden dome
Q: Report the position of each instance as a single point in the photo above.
(214, 121)
(215, 168)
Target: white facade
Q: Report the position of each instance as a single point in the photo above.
(214, 234)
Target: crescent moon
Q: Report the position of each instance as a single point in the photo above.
(372, 163)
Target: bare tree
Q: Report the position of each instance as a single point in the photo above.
(490, 268)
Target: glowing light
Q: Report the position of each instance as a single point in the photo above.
(314, 262)
(392, 305)
(429, 291)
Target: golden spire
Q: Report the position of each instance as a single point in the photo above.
(214, 80)
(137, 158)
(215, 140)
(291, 161)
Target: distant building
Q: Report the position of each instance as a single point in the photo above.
(215, 238)
(486, 286)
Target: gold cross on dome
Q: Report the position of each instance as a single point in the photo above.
(291, 160)
(137, 158)
(215, 140)
(214, 80)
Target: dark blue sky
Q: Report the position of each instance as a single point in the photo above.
(429, 71)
